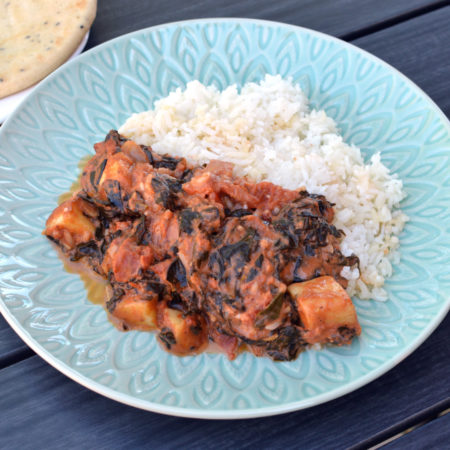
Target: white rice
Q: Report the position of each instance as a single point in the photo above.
(269, 133)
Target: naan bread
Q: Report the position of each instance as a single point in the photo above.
(37, 36)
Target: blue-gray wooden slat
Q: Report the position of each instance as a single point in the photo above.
(340, 18)
(9, 341)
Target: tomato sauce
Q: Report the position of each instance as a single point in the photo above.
(196, 253)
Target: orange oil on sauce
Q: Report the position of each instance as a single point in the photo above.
(96, 286)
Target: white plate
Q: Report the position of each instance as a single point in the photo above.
(10, 103)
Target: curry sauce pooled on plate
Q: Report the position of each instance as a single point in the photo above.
(201, 255)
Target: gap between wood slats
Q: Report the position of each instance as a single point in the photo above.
(394, 21)
(404, 433)
(15, 356)
(405, 426)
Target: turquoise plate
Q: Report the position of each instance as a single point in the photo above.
(377, 109)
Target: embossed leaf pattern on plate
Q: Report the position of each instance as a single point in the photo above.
(375, 107)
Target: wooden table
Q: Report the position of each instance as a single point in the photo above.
(41, 408)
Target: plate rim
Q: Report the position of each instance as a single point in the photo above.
(265, 411)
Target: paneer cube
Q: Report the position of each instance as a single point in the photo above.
(69, 224)
(135, 312)
(326, 311)
(134, 151)
(181, 334)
